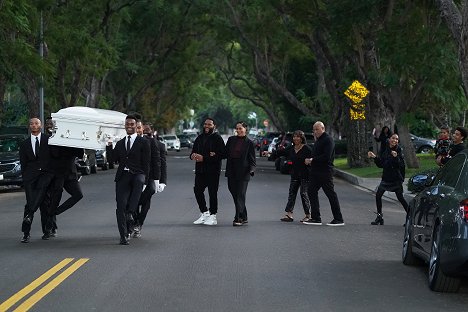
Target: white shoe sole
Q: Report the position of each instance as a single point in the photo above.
(341, 224)
(311, 223)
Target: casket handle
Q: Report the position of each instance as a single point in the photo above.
(84, 136)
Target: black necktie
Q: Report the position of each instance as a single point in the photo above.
(128, 144)
(36, 148)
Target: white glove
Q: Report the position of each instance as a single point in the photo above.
(161, 187)
(144, 186)
(156, 185)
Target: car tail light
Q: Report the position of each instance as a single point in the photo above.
(265, 142)
(289, 162)
(464, 209)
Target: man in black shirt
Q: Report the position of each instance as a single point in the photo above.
(457, 144)
(321, 176)
(207, 152)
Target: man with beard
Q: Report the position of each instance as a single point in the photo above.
(34, 160)
(133, 155)
(154, 182)
(207, 152)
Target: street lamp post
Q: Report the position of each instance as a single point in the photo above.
(253, 115)
(41, 87)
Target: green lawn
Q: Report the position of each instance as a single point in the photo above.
(426, 162)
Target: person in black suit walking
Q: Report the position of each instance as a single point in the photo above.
(152, 187)
(34, 160)
(240, 166)
(133, 155)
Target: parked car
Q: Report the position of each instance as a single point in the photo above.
(172, 141)
(436, 228)
(185, 140)
(422, 145)
(87, 164)
(10, 168)
(102, 161)
(266, 140)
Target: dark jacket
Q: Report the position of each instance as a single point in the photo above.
(393, 167)
(62, 161)
(323, 154)
(162, 156)
(32, 167)
(137, 160)
(298, 167)
(203, 145)
(155, 164)
(454, 150)
(241, 168)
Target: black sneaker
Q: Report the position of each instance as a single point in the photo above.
(335, 223)
(313, 222)
(25, 238)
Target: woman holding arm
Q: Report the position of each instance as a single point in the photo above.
(393, 174)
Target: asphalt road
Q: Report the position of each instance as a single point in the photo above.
(177, 266)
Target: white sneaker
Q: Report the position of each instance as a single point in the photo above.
(202, 218)
(211, 220)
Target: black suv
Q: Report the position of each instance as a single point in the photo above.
(10, 168)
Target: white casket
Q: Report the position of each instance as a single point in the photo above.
(86, 127)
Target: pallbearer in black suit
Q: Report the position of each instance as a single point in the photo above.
(153, 181)
(34, 160)
(133, 155)
(240, 166)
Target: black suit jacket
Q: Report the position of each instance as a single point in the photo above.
(62, 161)
(31, 168)
(137, 160)
(240, 170)
(162, 156)
(155, 164)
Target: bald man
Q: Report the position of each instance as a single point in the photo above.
(34, 160)
(321, 176)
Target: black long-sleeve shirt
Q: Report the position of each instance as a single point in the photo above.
(298, 167)
(323, 154)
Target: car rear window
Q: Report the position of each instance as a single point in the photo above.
(170, 137)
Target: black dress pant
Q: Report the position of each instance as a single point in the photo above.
(72, 187)
(294, 186)
(144, 204)
(210, 181)
(128, 191)
(238, 189)
(323, 180)
(35, 191)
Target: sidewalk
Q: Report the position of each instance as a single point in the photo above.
(371, 184)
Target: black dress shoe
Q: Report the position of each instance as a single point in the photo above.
(237, 223)
(124, 241)
(53, 233)
(25, 238)
(46, 236)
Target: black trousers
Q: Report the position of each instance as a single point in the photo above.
(127, 194)
(399, 195)
(294, 186)
(144, 204)
(238, 189)
(210, 181)
(323, 180)
(36, 191)
(72, 187)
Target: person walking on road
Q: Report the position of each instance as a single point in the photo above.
(208, 151)
(240, 166)
(458, 136)
(133, 155)
(321, 176)
(393, 163)
(34, 160)
(152, 187)
(297, 153)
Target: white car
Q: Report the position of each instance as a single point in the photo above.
(172, 142)
(272, 145)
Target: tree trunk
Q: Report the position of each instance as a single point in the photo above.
(2, 97)
(408, 149)
(30, 89)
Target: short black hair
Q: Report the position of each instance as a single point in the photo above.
(209, 118)
(463, 132)
(300, 134)
(445, 128)
(149, 124)
(131, 117)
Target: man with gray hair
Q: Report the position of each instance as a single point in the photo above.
(321, 176)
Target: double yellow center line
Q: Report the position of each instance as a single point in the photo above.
(41, 293)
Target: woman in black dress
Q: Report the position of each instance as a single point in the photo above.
(393, 164)
(240, 166)
(297, 153)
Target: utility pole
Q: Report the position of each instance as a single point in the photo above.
(41, 87)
